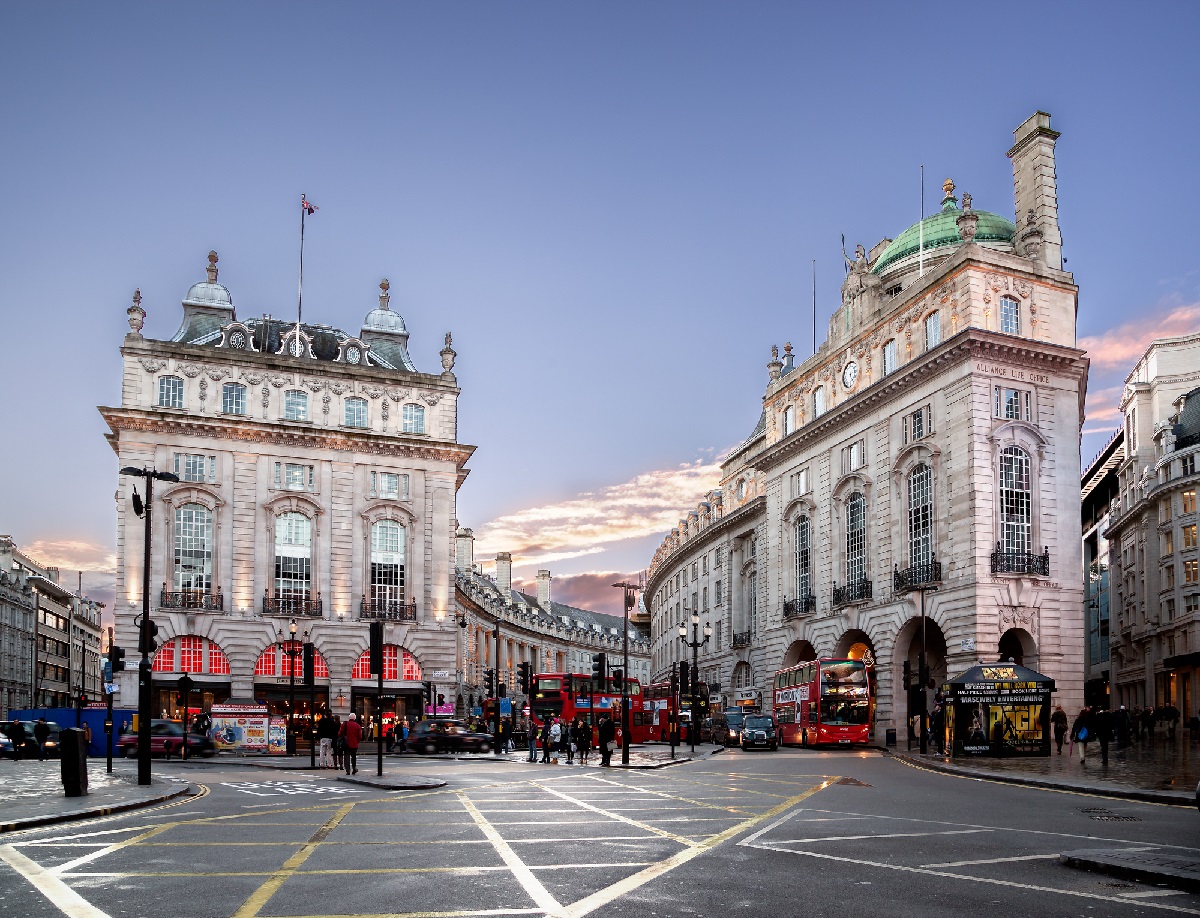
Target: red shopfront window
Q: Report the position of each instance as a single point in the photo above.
(396, 661)
(164, 660)
(191, 654)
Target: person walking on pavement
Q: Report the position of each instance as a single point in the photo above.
(352, 734)
(327, 732)
(531, 738)
(41, 733)
(1081, 733)
(1059, 721)
(1102, 720)
(608, 740)
(556, 736)
(545, 738)
(585, 741)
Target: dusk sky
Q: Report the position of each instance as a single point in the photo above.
(613, 206)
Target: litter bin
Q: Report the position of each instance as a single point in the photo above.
(889, 738)
(72, 747)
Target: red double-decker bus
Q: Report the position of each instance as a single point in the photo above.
(824, 702)
(660, 703)
(570, 695)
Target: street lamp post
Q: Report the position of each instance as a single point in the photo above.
(695, 643)
(291, 653)
(630, 600)
(146, 627)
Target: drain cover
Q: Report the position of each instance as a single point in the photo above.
(1113, 817)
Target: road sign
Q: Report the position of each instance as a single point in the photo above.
(110, 688)
(107, 672)
(505, 707)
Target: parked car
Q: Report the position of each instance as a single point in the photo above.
(438, 735)
(30, 747)
(6, 747)
(758, 731)
(166, 739)
(727, 728)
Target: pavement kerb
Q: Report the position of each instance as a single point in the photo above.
(1109, 862)
(19, 825)
(1169, 798)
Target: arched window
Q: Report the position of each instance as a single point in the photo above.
(413, 419)
(742, 677)
(1016, 501)
(170, 392)
(233, 398)
(1010, 315)
(356, 412)
(193, 549)
(920, 515)
(295, 405)
(293, 556)
(819, 402)
(856, 539)
(803, 559)
(387, 562)
(398, 663)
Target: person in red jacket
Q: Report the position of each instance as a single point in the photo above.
(351, 734)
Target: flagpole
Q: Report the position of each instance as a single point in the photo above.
(921, 231)
(300, 284)
(814, 285)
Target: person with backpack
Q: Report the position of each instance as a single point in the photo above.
(1081, 733)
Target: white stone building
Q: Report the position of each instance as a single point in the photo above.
(319, 471)
(551, 636)
(1154, 551)
(933, 440)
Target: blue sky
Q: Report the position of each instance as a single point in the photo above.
(613, 206)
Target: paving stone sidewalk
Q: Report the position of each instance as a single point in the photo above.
(1161, 772)
(33, 792)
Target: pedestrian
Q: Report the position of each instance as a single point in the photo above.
(1081, 733)
(608, 740)
(1059, 721)
(556, 732)
(41, 733)
(585, 741)
(351, 735)
(87, 738)
(545, 739)
(1102, 721)
(564, 742)
(1171, 715)
(404, 735)
(1122, 718)
(531, 738)
(339, 744)
(326, 734)
(937, 728)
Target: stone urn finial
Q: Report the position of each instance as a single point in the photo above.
(948, 187)
(384, 296)
(212, 266)
(448, 354)
(968, 221)
(137, 315)
(775, 367)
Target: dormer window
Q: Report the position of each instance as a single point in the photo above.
(170, 392)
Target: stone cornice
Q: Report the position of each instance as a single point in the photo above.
(718, 527)
(248, 430)
(969, 344)
(260, 362)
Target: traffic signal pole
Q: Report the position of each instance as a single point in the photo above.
(145, 693)
(496, 745)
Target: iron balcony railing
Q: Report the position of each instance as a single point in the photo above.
(292, 604)
(804, 605)
(859, 591)
(389, 610)
(917, 576)
(192, 599)
(1021, 562)
(741, 639)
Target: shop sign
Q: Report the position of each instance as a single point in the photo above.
(441, 674)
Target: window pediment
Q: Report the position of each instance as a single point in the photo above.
(1019, 433)
(855, 481)
(193, 493)
(293, 503)
(797, 507)
(388, 509)
(913, 455)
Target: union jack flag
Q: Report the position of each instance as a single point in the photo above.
(308, 208)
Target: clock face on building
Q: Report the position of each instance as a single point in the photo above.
(237, 340)
(296, 346)
(353, 355)
(850, 375)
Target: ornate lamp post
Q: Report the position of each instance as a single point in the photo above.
(291, 653)
(694, 677)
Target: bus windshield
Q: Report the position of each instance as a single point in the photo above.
(836, 710)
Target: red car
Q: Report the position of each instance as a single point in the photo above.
(166, 739)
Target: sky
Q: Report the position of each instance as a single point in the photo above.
(615, 207)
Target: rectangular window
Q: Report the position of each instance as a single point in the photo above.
(295, 405)
(1191, 571)
(718, 594)
(789, 420)
(818, 402)
(1187, 465)
(191, 467)
(1010, 316)
(1013, 404)
(1191, 604)
(1189, 501)
(412, 419)
(704, 599)
(1165, 510)
(292, 476)
(918, 424)
(1168, 610)
(170, 392)
(695, 569)
(889, 357)
(853, 456)
(1168, 543)
(1169, 576)
(233, 398)
(933, 330)
(1189, 536)
(356, 412)
(1131, 434)
(704, 564)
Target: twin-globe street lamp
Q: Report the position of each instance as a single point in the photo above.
(291, 652)
(694, 676)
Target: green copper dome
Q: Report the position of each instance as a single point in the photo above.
(941, 230)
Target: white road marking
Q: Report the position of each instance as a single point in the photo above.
(835, 838)
(996, 860)
(1152, 893)
(531, 884)
(62, 896)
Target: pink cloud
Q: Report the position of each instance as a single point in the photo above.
(1120, 347)
(96, 562)
(591, 590)
(648, 504)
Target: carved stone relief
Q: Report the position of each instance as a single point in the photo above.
(151, 365)
(190, 370)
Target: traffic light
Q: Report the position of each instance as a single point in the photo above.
(148, 637)
(526, 677)
(441, 700)
(489, 683)
(428, 687)
(502, 690)
(907, 675)
(684, 682)
(83, 699)
(179, 699)
(310, 665)
(376, 648)
(674, 684)
(116, 656)
(618, 676)
(599, 669)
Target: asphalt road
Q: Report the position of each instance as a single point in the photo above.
(786, 833)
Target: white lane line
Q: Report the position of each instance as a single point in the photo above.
(749, 840)
(836, 838)
(54, 839)
(1152, 893)
(62, 896)
(531, 884)
(974, 879)
(996, 860)
(625, 819)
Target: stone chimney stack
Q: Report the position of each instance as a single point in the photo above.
(1035, 187)
(543, 587)
(504, 573)
(464, 550)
